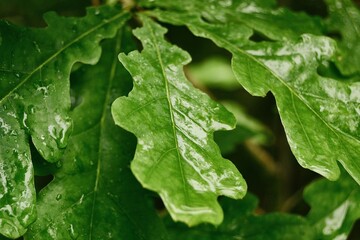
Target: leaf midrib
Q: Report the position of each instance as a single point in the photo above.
(52, 57)
(101, 128)
(234, 47)
(167, 89)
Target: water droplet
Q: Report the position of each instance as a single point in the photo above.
(4, 126)
(97, 12)
(81, 199)
(91, 163)
(24, 122)
(59, 164)
(4, 107)
(17, 75)
(74, 28)
(172, 67)
(225, 3)
(15, 152)
(37, 47)
(44, 90)
(72, 232)
(31, 109)
(13, 133)
(58, 197)
(61, 131)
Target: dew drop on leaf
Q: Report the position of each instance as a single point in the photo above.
(58, 197)
(31, 109)
(59, 164)
(61, 131)
(72, 232)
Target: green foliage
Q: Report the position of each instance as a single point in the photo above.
(319, 114)
(174, 123)
(345, 19)
(130, 120)
(34, 80)
(241, 223)
(336, 206)
(98, 166)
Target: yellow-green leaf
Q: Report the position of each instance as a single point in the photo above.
(176, 155)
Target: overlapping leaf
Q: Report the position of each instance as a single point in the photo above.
(176, 155)
(319, 114)
(345, 19)
(34, 99)
(94, 195)
(240, 222)
(335, 206)
(260, 16)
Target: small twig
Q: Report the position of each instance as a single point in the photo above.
(263, 157)
(95, 2)
(292, 201)
(127, 4)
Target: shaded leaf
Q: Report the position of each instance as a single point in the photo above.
(176, 155)
(345, 19)
(260, 16)
(319, 114)
(213, 72)
(94, 195)
(247, 129)
(240, 222)
(34, 99)
(335, 206)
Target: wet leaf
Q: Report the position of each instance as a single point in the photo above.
(240, 222)
(34, 99)
(106, 202)
(335, 206)
(260, 16)
(345, 19)
(176, 155)
(319, 114)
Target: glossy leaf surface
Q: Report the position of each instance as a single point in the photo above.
(335, 206)
(94, 194)
(176, 155)
(319, 114)
(345, 19)
(34, 99)
(241, 223)
(249, 16)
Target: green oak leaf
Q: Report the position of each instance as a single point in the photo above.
(319, 114)
(344, 17)
(240, 222)
(106, 202)
(34, 99)
(176, 155)
(260, 16)
(335, 206)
